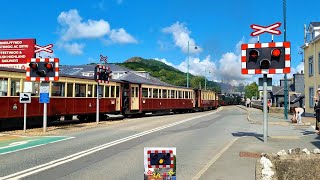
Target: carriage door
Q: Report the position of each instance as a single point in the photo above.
(196, 96)
(135, 97)
(125, 98)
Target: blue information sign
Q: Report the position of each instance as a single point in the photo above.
(44, 98)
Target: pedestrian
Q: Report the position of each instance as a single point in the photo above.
(269, 105)
(297, 112)
(317, 111)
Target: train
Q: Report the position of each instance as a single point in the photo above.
(76, 96)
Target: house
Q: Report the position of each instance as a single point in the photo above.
(311, 54)
(295, 88)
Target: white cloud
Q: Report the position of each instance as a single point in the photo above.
(72, 48)
(165, 61)
(121, 36)
(181, 36)
(74, 28)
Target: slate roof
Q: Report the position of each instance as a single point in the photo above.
(315, 24)
(76, 71)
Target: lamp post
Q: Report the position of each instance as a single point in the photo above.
(195, 47)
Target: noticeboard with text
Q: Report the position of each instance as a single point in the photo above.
(14, 52)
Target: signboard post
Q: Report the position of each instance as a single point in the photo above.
(14, 52)
(44, 98)
(25, 98)
(269, 84)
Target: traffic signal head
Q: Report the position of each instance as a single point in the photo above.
(160, 159)
(102, 73)
(46, 69)
(265, 58)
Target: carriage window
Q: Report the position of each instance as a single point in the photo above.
(69, 89)
(164, 93)
(144, 92)
(117, 91)
(172, 93)
(186, 94)
(137, 91)
(106, 93)
(15, 87)
(100, 91)
(57, 89)
(160, 93)
(80, 90)
(132, 91)
(112, 91)
(155, 93)
(149, 92)
(90, 90)
(3, 87)
(180, 94)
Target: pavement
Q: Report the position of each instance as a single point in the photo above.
(238, 161)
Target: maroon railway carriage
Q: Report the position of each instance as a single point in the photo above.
(70, 96)
(75, 96)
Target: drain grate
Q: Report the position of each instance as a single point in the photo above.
(249, 155)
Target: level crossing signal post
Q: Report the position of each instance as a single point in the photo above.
(101, 75)
(43, 70)
(265, 58)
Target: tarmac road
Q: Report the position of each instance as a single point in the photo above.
(112, 152)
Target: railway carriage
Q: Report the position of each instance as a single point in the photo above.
(75, 96)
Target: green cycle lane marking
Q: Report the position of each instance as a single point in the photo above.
(28, 142)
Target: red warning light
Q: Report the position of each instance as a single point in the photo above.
(254, 54)
(33, 65)
(49, 65)
(276, 52)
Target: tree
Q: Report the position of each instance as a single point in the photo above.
(251, 90)
(197, 81)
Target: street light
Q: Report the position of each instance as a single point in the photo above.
(195, 47)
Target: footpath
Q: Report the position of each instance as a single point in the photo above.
(239, 160)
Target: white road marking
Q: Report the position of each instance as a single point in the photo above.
(78, 155)
(214, 159)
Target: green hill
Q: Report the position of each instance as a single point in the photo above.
(167, 73)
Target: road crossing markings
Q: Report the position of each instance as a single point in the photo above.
(78, 155)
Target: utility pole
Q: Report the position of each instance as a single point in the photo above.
(285, 75)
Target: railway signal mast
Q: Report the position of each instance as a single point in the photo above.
(102, 74)
(265, 58)
(44, 70)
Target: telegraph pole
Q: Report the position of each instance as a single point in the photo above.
(285, 75)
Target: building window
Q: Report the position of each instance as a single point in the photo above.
(311, 66)
(311, 95)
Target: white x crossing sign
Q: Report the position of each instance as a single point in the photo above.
(265, 29)
(46, 48)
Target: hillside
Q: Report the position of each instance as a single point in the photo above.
(167, 73)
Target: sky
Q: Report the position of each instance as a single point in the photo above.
(120, 29)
